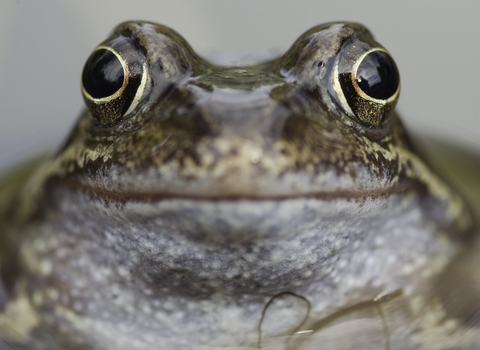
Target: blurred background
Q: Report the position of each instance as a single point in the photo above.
(44, 44)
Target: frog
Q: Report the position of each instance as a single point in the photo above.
(274, 205)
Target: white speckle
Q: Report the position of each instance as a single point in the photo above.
(342, 263)
(37, 298)
(106, 315)
(307, 273)
(78, 306)
(64, 299)
(159, 315)
(52, 294)
(61, 253)
(19, 316)
(123, 272)
(231, 273)
(80, 283)
(146, 309)
(46, 267)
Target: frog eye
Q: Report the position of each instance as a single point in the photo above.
(369, 89)
(112, 84)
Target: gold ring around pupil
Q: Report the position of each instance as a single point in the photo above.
(105, 75)
(377, 65)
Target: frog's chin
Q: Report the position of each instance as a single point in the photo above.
(248, 246)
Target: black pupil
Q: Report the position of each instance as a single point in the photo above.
(377, 75)
(103, 74)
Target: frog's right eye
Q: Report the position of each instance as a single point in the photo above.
(113, 83)
(367, 84)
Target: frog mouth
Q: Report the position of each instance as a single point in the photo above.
(212, 195)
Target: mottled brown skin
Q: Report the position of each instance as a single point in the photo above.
(248, 206)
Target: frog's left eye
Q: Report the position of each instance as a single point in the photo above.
(113, 83)
(368, 86)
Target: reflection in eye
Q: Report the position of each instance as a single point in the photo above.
(377, 75)
(103, 74)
